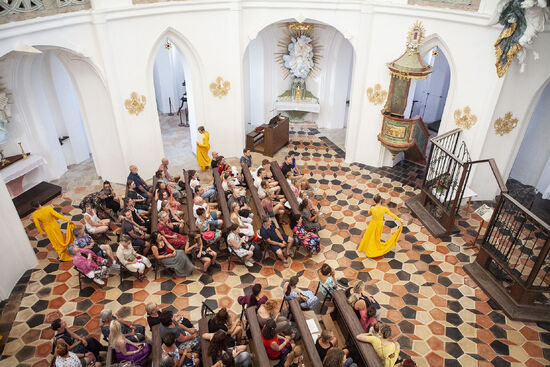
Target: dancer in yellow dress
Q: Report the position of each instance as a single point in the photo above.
(45, 220)
(371, 243)
(203, 146)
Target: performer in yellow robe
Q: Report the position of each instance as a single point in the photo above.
(203, 146)
(371, 243)
(45, 220)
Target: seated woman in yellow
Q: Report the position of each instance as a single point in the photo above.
(45, 219)
(371, 243)
(387, 350)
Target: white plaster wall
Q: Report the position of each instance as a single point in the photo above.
(543, 185)
(254, 81)
(169, 76)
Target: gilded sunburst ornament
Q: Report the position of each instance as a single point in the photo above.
(465, 119)
(376, 95)
(136, 104)
(503, 125)
(220, 87)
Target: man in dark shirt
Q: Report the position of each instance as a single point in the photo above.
(246, 158)
(287, 165)
(141, 186)
(275, 239)
(214, 163)
(244, 209)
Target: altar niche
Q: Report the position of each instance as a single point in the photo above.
(174, 104)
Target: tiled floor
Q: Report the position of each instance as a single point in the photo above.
(438, 314)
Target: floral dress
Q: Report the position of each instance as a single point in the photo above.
(178, 241)
(309, 239)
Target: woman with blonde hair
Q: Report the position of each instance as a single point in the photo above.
(244, 228)
(64, 358)
(126, 350)
(270, 310)
(295, 358)
(360, 299)
(386, 349)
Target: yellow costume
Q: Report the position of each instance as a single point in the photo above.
(371, 243)
(202, 151)
(45, 220)
(384, 351)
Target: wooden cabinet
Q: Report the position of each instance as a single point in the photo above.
(269, 140)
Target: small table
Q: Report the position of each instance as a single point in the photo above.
(14, 173)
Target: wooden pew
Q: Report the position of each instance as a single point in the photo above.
(189, 201)
(109, 356)
(156, 343)
(206, 359)
(154, 211)
(285, 187)
(255, 343)
(255, 202)
(222, 201)
(351, 327)
(307, 339)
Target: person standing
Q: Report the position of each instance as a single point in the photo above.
(371, 243)
(45, 219)
(203, 146)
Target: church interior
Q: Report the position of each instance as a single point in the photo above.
(333, 183)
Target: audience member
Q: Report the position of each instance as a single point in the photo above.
(244, 209)
(369, 320)
(108, 195)
(223, 166)
(141, 187)
(140, 201)
(239, 244)
(218, 345)
(126, 350)
(176, 222)
(94, 225)
(182, 357)
(226, 361)
(334, 358)
(177, 240)
(128, 257)
(186, 337)
(289, 166)
(307, 299)
(270, 311)
(209, 233)
(327, 283)
(82, 347)
(271, 207)
(84, 241)
(167, 361)
(213, 215)
(214, 163)
(140, 217)
(277, 346)
(153, 314)
(276, 240)
(310, 216)
(171, 258)
(246, 158)
(201, 252)
(162, 193)
(252, 299)
(359, 299)
(172, 188)
(135, 232)
(132, 332)
(386, 349)
(209, 191)
(62, 357)
(308, 239)
(89, 264)
(325, 342)
(245, 228)
(164, 168)
(232, 328)
(295, 358)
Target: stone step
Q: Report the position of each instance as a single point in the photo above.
(431, 223)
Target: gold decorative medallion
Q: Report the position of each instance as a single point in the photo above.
(220, 87)
(435, 52)
(503, 125)
(377, 95)
(168, 45)
(465, 120)
(136, 104)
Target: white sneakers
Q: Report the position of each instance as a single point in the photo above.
(99, 281)
(248, 264)
(115, 266)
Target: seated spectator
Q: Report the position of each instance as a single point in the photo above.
(162, 193)
(360, 300)
(270, 311)
(108, 195)
(245, 228)
(263, 189)
(132, 332)
(310, 240)
(173, 259)
(167, 361)
(266, 166)
(94, 225)
(223, 166)
(164, 168)
(369, 320)
(63, 358)
(209, 191)
(182, 357)
(140, 201)
(218, 346)
(246, 158)
(335, 358)
(271, 184)
(89, 264)
(306, 298)
(135, 232)
(289, 166)
(295, 358)
(128, 257)
(226, 361)
(177, 240)
(213, 215)
(84, 241)
(126, 350)
(325, 342)
(240, 246)
(252, 299)
(214, 163)
(176, 222)
(172, 188)
(153, 314)
(87, 348)
(275, 239)
(232, 328)
(244, 209)
(141, 187)
(277, 346)
(186, 337)
(327, 283)
(295, 186)
(386, 349)
(141, 220)
(201, 252)
(310, 216)
(209, 233)
(273, 208)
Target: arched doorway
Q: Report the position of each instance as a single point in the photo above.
(264, 79)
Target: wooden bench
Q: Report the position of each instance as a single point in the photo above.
(222, 201)
(256, 344)
(307, 339)
(189, 203)
(154, 208)
(351, 327)
(206, 358)
(156, 344)
(285, 187)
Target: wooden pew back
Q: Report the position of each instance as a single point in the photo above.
(255, 202)
(206, 358)
(351, 327)
(285, 187)
(154, 211)
(156, 353)
(255, 343)
(189, 201)
(307, 339)
(222, 201)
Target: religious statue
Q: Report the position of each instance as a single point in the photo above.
(298, 88)
(522, 20)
